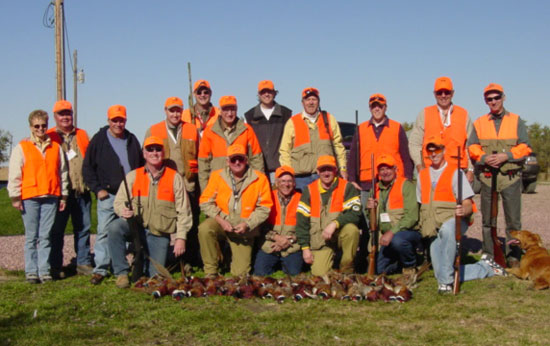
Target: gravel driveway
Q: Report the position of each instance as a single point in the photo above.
(536, 214)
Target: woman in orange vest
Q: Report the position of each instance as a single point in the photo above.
(38, 178)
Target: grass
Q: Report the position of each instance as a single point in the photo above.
(491, 311)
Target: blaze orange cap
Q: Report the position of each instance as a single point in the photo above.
(236, 149)
(228, 101)
(152, 140)
(284, 170)
(377, 98)
(310, 91)
(173, 102)
(443, 83)
(62, 105)
(201, 83)
(116, 111)
(385, 159)
(493, 87)
(266, 84)
(326, 160)
(435, 140)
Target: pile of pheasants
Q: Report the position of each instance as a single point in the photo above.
(333, 286)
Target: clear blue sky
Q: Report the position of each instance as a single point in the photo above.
(135, 53)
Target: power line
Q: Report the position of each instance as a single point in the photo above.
(48, 19)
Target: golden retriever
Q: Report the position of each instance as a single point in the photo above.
(535, 262)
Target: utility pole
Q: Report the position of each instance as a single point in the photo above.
(75, 90)
(59, 50)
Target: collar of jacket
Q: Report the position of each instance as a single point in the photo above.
(249, 177)
(334, 184)
(499, 116)
(258, 114)
(385, 122)
(218, 129)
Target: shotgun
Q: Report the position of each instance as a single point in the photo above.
(498, 255)
(190, 98)
(325, 120)
(458, 228)
(373, 225)
(136, 229)
(358, 150)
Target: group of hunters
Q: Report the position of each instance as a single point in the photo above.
(277, 188)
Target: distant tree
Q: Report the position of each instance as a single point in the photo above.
(5, 141)
(407, 126)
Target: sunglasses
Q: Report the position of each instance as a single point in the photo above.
(443, 92)
(495, 98)
(435, 151)
(203, 92)
(38, 126)
(153, 148)
(234, 159)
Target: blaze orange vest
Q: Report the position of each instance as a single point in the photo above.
(444, 188)
(301, 130)
(81, 139)
(188, 131)
(218, 144)
(453, 136)
(337, 199)
(212, 117)
(395, 197)
(388, 143)
(40, 173)
(165, 190)
(485, 128)
(275, 215)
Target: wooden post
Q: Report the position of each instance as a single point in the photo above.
(75, 89)
(59, 50)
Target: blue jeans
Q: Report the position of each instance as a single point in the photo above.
(105, 215)
(292, 264)
(38, 215)
(303, 181)
(78, 207)
(401, 253)
(443, 252)
(158, 250)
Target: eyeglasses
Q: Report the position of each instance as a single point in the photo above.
(435, 151)
(37, 126)
(203, 92)
(495, 98)
(153, 148)
(234, 159)
(444, 92)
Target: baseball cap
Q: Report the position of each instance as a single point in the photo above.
(116, 111)
(493, 87)
(236, 149)
(173, 102)
(326, 160)
(266, 84)
(62, 105)
(153, 140)
(284, 170)
(377, 98)
(201, 83)
(310, 91)
(228, 101)
(385, 159)
(443, 83)
(435, 141)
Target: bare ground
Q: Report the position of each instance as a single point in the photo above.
(535, 214)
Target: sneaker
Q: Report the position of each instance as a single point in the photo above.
(84, 269)
(45, 278)
(497, 268)
(445, 288)
(122, 281)
(32, 279)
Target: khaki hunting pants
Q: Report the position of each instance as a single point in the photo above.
(323, 259)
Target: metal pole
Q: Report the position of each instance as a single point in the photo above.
(75, 90)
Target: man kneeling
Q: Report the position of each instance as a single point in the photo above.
(327, 219)
(161, 205)
(237, 200)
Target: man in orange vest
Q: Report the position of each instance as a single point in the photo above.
(437, 191)
(37, 187)
(327, 219)
(181, 145)
(444, 119)
(74, 142)
(203, 113)
(309, 135)
(161, 204)
(237, 200)
(227, 130)
(279, 243)
(397, 209)
(500, 144)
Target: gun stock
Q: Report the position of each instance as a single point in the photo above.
(373, 225)
(458, 229)
(498, 255)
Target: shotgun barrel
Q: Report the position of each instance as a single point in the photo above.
(458, 228)
(373, 225)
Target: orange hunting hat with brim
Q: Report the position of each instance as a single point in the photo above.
(326, 160)
(62, 105)
(228, 101)
(443, 83)
(236, 149)
(266, 84)
(201, 83)
(173, 102)
(385, 159)
(493, 87)
(310, 91)
(377, 98)
(435, 140)
(284, 170)
(116, 111)
(153, 140)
